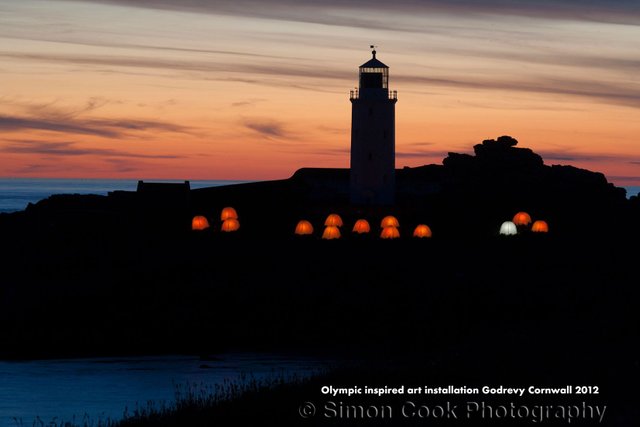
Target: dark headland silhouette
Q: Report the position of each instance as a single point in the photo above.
(468, 195)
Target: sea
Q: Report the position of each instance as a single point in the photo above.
(94, 392)
(17, 193)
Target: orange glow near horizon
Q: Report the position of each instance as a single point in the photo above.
(156, 92)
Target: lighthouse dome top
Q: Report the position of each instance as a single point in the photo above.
(374, 62)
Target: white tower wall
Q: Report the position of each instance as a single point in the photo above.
(373, 137)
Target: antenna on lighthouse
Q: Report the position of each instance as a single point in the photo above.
(373, 52)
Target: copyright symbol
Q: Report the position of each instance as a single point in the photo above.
(307, 410)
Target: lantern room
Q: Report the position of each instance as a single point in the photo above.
(374, 74)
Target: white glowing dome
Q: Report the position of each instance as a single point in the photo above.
(508, 228)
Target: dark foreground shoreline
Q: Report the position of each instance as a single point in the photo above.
(376, 392)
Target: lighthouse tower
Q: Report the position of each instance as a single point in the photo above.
(373, 136)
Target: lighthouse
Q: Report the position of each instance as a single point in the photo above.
(373, 136)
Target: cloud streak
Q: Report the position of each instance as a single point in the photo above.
(611, 93)
(633, 180)
(10, 124)
(568, 156)
(106, 128)
(326, 12)
(71, 148)
(286, 70)
(247, 103)
(266, 127)
(616, 93)
(421, 154)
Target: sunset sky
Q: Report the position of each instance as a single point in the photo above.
(255, 89)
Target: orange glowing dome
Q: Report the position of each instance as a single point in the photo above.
(304, 227)
(389, 221)
(331, 232)
(228, 213)
(522, 219)
(333, 220)
(229, 225)
(390, 233)
(540, 227)
(422, 231)
(199, 222)
(361, 226)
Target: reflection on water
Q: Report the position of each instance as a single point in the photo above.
(102, 388)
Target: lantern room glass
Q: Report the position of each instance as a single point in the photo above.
(374, 78)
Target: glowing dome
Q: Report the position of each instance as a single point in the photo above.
(230, 225)
(422, 231)
(304, 227)
(228, 213)
(522, 219)
(361, 226)
(390, 233)
(389, 221)
(199, 222)
(333, 220)
(540, 227)
(331, 232)
(508, 228)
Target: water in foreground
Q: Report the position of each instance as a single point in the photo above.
(103, 388)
